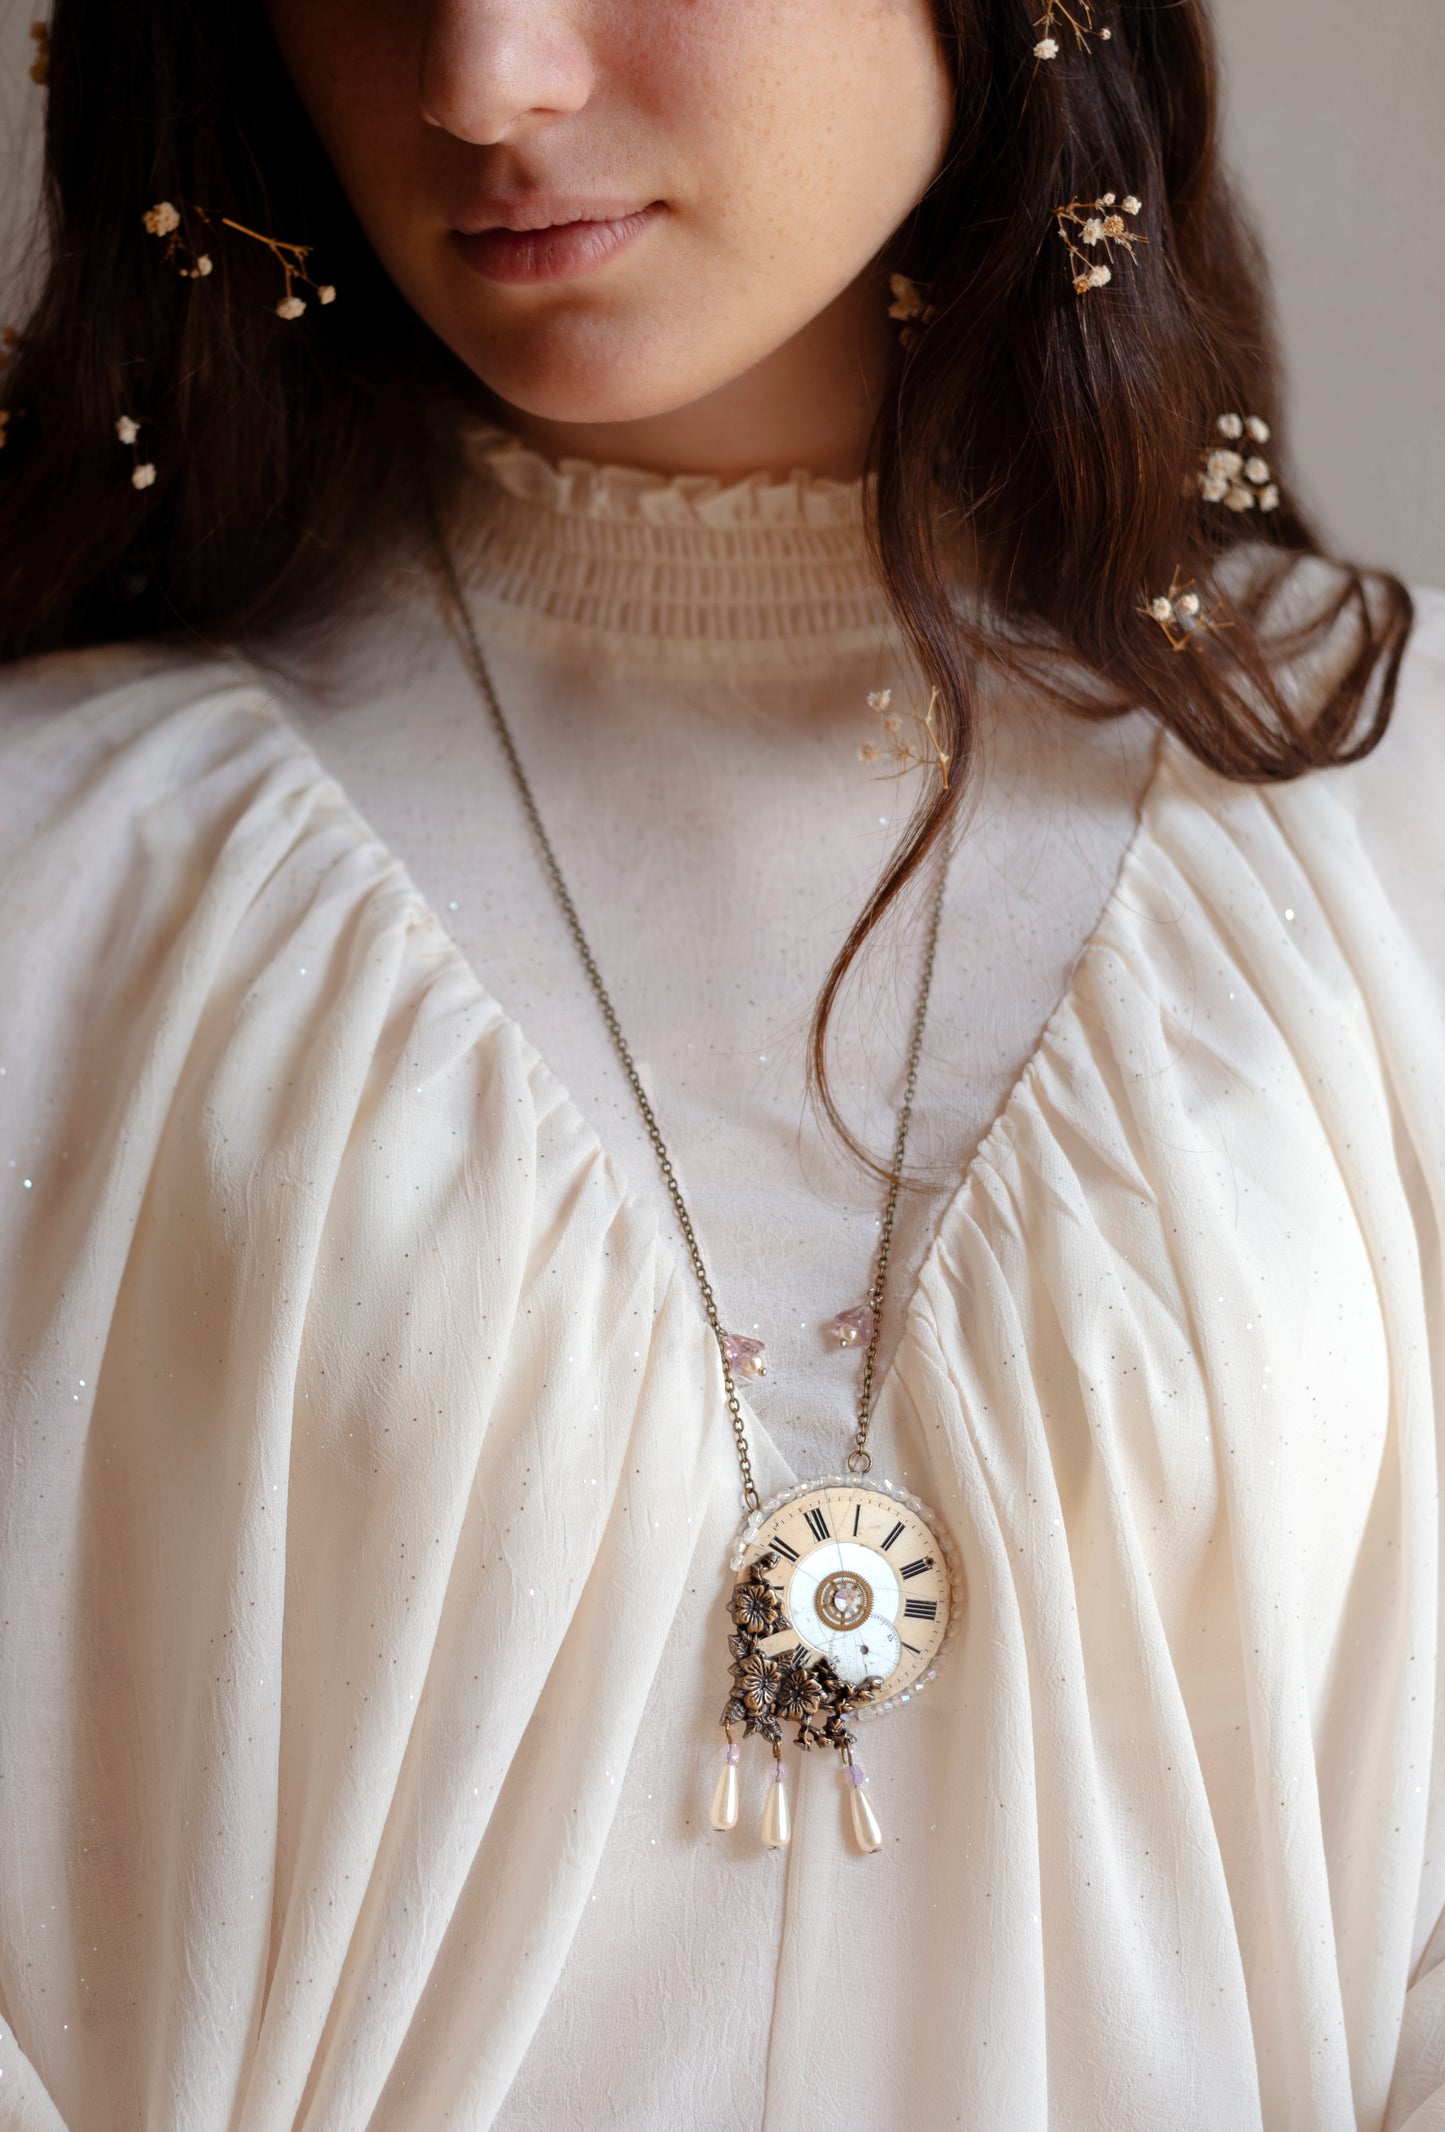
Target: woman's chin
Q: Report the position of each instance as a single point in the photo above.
(603, 391)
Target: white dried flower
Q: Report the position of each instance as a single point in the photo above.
(1131, 202)
(161, 219)
(893, 724)
(1108, 200)
(1105, 35)
(1162, 609)
(1093, 230)
(326, 294)
(1189, 603)
(1213, 488)
(1227, 464)
(867, 752)
(127, 429)
(1257, 469)
(1230, 426)
(1238, 499)
(1114, 226)
(1098, 276)
(142, 476)
(1047, 48)
(1258, 429)
(203, 265)
(290, 307)
(1269, 498)
(879, 699)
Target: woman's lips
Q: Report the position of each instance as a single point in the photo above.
(557, 253)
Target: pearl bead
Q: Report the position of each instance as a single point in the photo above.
(723, 1813)
(865, 1822)
(777, 1821)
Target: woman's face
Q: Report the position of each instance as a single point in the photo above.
(716, 174)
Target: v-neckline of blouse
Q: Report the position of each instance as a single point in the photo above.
(640, 1207)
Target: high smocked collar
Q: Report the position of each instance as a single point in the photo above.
(765, 572)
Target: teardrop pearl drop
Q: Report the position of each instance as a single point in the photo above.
(865, 1821)
(777, 1821)
(723, 1813)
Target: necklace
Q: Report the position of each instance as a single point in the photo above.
(847, 1589)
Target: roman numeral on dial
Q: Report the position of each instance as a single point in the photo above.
(781, 1547)
(921, 1609)
(916, 1569)
(893, 1535)
(819, 1524)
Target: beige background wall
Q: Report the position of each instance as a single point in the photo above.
(1335, 112)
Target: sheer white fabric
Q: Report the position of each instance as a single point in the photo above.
(368, 1488)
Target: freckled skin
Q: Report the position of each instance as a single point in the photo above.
(787, 139)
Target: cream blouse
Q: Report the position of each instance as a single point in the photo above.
(367, 1485)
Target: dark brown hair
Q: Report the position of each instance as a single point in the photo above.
(1057, 438)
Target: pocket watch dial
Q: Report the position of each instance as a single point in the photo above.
(865, 1583)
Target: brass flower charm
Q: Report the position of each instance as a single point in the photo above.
(755, 1608)
(757, 1679)
(797, 1692)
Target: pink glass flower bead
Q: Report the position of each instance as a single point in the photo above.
(746, 1358)
(852, 1328)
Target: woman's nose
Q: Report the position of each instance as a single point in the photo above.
(490, 66)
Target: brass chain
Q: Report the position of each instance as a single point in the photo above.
(859, 1459)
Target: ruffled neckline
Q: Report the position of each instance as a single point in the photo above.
(585, 488)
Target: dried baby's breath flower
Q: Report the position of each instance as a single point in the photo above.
(1132, 203)
(1182, 615)
(1079, 18)
(142, 473)
(1089, 223)
(925, 749)
(1228, 477)
(167, 220)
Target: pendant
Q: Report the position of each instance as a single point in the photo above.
(848, 1592)
(745, 1357)
(852, 1328)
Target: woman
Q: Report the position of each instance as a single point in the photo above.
(836, 451)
